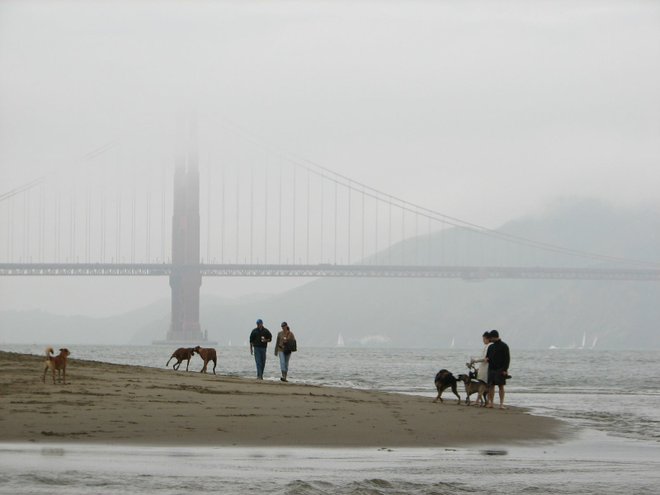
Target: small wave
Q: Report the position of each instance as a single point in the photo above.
(375, 486)
(48, 480)
(631, 426)
(299, 487)
(52, 451)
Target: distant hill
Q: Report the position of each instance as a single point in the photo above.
(42, 327)
(435, 312)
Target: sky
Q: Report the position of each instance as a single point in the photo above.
(482, 110)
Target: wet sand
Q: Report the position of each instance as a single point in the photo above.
(109, 403)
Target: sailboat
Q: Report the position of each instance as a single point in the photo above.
(453, 341)
(340, 341)
(593, 344)
(584, 340)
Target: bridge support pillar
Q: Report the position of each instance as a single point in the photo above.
(185, 280)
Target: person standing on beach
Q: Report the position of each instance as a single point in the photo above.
(498, 367)
(285, 344)
(482, 370)
(259, 339)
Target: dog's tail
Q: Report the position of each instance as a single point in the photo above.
(49, 351)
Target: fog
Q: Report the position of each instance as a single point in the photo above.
(485, 111)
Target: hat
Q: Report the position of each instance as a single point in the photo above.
(494, 334)
(284, 324)
(486, 334)
(260, 321)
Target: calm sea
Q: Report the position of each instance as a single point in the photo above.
(611, 398)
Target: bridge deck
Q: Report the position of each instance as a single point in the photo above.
(330, 270)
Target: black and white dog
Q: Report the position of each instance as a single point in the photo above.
(444, 379)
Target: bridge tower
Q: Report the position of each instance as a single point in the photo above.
(186, 280)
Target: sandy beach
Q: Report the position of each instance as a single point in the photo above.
(109, 403)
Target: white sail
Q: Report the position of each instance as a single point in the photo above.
(593, 344)
(340, 341)
(584, 340)
(453, 341)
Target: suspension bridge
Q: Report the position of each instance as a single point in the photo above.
(254, 213)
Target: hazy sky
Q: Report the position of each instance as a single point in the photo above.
(483, 110)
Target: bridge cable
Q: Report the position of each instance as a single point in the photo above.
(82, 160)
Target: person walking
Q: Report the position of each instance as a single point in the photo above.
(498, 367)
(259, 338)
(285, 344)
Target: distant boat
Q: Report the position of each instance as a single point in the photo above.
(584, 340)
(593, 344)
(340, 341)
(453, 341)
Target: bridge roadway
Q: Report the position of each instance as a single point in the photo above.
(471, 273)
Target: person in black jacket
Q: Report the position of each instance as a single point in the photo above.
(259, 338)
(498, 367)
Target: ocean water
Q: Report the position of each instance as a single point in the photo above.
(610, 399)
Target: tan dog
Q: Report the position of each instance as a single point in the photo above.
(207, 354)
(56, 363)
(473, 386)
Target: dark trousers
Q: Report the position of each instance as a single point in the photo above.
(260, 359)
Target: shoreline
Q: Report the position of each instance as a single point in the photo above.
(136, 405)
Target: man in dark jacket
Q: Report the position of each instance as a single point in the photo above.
(498, 367)
(259, 338)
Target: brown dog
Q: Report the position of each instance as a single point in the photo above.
(207, 354)
(474, 386)
(56, 363)
(181, 354)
